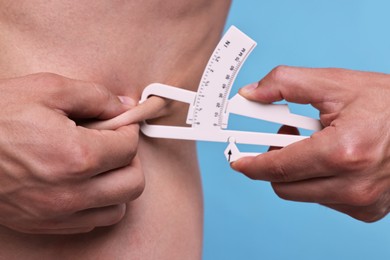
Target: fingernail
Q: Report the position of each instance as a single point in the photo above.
(127, 100)
(249, 88)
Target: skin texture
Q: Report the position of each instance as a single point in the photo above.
(57, 166)
(345, 166)
(126, 196)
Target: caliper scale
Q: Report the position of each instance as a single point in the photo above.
(218, 78)
(210, 106)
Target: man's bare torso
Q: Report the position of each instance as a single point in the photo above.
(123, 45)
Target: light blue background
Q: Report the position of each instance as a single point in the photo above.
(243, 218)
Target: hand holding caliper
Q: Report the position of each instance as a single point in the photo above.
(345, 166)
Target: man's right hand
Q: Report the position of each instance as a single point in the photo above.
(57, 177)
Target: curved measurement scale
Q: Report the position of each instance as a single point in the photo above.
(218, 78)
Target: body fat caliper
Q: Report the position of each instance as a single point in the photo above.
(210, 106)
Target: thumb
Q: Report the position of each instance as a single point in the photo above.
(293, 84)
(81, 99)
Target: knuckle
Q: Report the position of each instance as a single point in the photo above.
(61, 203)
(81, 160)
(52, 206)
(66, 203)
(69, 160)
(280, 73)
(352, 157)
